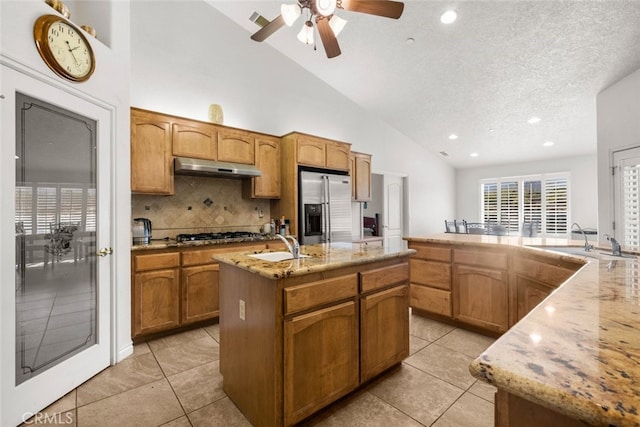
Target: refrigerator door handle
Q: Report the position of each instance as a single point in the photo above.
(327, 185)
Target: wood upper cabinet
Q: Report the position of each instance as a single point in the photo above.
(320, 359)
(196, 140)
(312, 151)
(151, 153)
(236, 146)
(267, 185)
(361, 176)
(337, 155)
(156, 293)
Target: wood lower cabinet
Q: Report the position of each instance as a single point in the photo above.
(200, 300)
(481, 297)
(156, 293)
(151, 153)
(430, 289)
(321, 359)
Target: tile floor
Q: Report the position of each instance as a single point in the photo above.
(175, 382)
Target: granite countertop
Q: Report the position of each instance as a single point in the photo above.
(578, 352)
(321, 257)
(172, 243)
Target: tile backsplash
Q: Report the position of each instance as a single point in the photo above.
(201, 204)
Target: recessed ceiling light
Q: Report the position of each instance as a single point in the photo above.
(474, 154)
(410, 40)
(534, 119)
(444, 154)
(453, 136)
(548, 143)
(449, 17)
(492, 130)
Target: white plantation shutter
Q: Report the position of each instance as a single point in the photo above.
(509, 205)
(24, 208)
(556, 205)
(490, 202)
(532, 202)
(90, 214)
(71, 205)
(631, 205)
(46, 212)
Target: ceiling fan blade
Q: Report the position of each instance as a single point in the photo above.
(329, 40)
(268, 29)
(385, 8)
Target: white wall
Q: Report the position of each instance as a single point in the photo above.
(584, 201)
(618, 109)
(108, 85)
(205, 58)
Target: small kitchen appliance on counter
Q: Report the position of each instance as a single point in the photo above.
(141, 231)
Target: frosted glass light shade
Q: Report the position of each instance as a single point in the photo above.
(290, 12)
(337, 24)
(325, 7)
(306, 33)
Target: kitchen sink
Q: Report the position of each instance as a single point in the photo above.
(275, 256)
(579, 251)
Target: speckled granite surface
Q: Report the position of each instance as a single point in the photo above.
(173, 244)
(577, 353)
(322, 257)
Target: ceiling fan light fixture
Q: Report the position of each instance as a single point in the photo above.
(290, 13)
(306, 33)
(337, 24)
(325, 7)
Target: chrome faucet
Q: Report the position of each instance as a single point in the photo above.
(615, 246)
(587, 246)
(293, 247)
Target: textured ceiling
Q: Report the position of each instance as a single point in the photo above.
(481, 77)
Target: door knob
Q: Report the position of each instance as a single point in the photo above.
(105, 252)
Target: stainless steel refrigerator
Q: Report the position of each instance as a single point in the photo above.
(325, 208)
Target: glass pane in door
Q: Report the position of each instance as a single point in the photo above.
(55, 222)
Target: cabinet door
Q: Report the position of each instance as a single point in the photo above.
(384, 330)
(352, 174)
(363, 177)
(311, 152)
(195, 140)
(480, 297)
(156, 304)
(530, 293)
(151, 160)
(338, 155)
(200, 293)
(235, 146)
(320, 359)
(268, 162)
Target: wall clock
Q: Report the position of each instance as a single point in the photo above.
(64, 48)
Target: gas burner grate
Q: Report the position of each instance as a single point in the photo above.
(215, 236)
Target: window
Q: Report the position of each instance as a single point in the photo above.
(543, 199)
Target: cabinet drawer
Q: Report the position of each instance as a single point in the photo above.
(433, 253)
(199, 257)
(481, 257)
(302, 297)
(157, 261)
(431, 273)
(429, 299)
(382, 277)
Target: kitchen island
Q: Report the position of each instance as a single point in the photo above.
(575, 357)
(298, 334)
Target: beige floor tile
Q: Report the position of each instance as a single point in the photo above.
(182, 357)
(214, 331)
(64, 404)
(149, 405)
(468, 411)
(220, 413)
(199, 386)
(126, 375)
(180, 422)
(140, 349)
(427, 329)
(416, 393)
(466, 342)
(362, 409)
(416, 344)
(448, 365)
(180, 338)
(483, 390)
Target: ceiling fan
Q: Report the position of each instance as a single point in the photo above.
(328, 24)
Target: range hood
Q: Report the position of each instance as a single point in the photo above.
(189, 166)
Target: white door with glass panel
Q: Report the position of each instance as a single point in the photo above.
(56, 312)
(627, 197)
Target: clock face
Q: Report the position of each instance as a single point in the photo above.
(64, 48)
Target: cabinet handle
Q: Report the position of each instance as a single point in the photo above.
(105, 252)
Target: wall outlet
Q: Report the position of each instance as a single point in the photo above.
(243, 310)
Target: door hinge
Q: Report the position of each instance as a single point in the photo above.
(613, 225)
(613, 170)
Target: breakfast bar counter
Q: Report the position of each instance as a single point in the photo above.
(575, 357)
